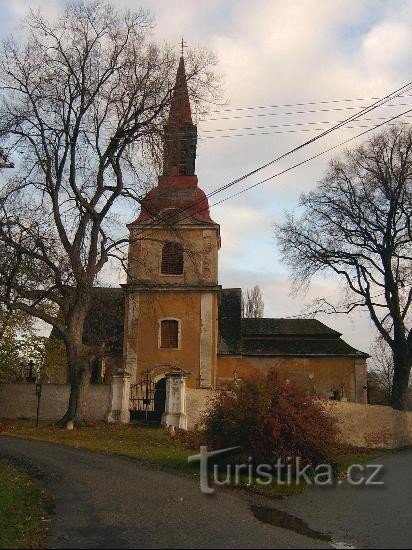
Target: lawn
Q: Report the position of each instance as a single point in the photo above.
(21, 510)
(154, 446)
(148, 444)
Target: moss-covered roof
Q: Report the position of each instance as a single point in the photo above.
(105, 318)
(286, 327)
(299, 346)
(277, 337)
(230, 315)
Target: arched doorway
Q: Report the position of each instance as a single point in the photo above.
(148, 399)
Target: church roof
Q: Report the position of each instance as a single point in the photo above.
(180, 111)
(105, 319)
(286, 327)
(276, 337)
(230, 328)
(176, 192)
(299, 345)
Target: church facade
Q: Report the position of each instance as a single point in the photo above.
(177, 316)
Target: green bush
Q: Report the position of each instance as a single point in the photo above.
(272, 418)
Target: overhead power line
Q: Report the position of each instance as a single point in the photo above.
(407, 87)
(379, 103)
(301, 104)
(309, 159)
(301, 112)
(301, 130)
(289, 124)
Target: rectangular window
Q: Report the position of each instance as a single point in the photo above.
(169, 334)
(172, 259)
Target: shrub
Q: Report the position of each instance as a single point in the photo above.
(272, 418)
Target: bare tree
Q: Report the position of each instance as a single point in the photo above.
(357, 225)
(83, 104)
(252, 303)
(380, 367)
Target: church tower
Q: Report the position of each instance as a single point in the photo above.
(172, 288)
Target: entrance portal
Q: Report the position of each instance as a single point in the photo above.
(148, 399)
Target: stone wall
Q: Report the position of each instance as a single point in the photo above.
(20, 401)
(373, 426)
(196, 404)
(316, 374)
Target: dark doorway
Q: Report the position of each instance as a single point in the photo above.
(159, 398)
(148, 399)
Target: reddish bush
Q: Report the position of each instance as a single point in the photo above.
(272, 418)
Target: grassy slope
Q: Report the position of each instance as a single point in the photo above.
(152, 445)
(21, 510)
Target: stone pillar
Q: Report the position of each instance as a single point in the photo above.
(361, 381)
(131, 334)
(175, 411)
(119, 399)
(206, 340)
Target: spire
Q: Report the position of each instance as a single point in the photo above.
(180, 134)
(177, 188)
(180, 112)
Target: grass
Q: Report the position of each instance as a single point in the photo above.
(148, 444)
(154, 446)
(21, 510)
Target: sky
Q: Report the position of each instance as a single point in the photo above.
(319, 53)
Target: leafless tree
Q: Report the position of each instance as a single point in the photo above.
(380, 367)
(252, 303)
(357, 225)
(83, 103)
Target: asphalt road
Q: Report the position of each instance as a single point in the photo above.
(112, 502)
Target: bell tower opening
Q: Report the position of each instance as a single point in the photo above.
(172, 259)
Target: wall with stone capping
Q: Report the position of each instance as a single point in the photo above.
(196, 405)
(20, 401)
(372, 426)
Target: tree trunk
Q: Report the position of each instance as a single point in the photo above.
(77, 366)
(400, 386)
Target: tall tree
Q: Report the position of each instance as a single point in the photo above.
(252, 303)
(380, 369)
(83, 102)
(357, 225)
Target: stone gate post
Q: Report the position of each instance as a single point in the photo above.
(119, 398)
(175, 410)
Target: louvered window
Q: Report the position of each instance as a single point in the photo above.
(169, 334)
(172, 259)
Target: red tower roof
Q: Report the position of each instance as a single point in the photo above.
(177, 188)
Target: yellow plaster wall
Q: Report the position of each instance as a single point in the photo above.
(200, 246)
(185, 306)
(327, 372)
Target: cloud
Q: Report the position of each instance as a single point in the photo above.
(271, 53)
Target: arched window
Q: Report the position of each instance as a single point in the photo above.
(169, 334)
(172, 259)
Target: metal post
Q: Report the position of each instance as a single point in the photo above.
(38, 393)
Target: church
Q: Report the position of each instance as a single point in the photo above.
(172, 314)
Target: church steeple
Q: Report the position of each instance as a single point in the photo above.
(177, 186)
(180, 134)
